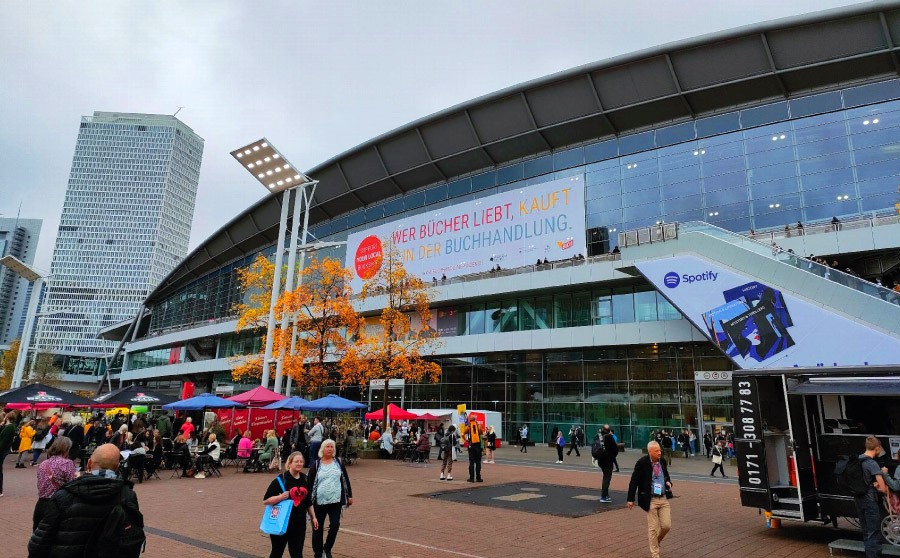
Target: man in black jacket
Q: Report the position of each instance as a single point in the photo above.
(79, 520)
(650, 480)
(606, 460)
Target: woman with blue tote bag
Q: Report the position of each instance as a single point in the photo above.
(287, 500)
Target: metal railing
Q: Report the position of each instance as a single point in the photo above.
(789, 258)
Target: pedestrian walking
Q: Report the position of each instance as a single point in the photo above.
(491, 444)
(523, 435)
(615, 458)
(651, 483)
(291, 483)
(707, 444)
(54, 472)
(7, 433)
(868, 505)
(560, 445)
(448, 442)
(76, 521)
(718, 457)
(573, 441)
(605, 460)
(331, 491)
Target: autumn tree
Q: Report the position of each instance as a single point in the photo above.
(323, 318)
(397, 346)
(255, 282)
(44, 371)
(8, 365)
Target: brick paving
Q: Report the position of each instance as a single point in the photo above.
(218, 517)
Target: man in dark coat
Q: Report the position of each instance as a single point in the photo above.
(606, 461)
(650, 481)
(75, 432)
(83, 517)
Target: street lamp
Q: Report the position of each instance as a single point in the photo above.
(278, 175)
(37, 282)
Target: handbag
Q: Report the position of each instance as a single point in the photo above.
(717, 459)
(275, 517)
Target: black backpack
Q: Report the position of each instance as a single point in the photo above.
(121, 535)
(597, 448)
(849, 475)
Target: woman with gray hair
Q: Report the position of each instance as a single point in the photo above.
(54, 472)
(330, 491)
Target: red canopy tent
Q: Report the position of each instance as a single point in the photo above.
(428, 416)
(257, 397)
(394, 413)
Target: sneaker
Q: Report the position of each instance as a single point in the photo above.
(199, 476)
(449, 477)
(606, 500)
(442, 476)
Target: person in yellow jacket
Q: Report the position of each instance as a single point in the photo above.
(473, 435)
(26, 435)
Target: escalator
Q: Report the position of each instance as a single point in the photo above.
(766, 308)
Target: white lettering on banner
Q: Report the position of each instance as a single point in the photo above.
(510, 229)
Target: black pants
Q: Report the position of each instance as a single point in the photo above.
(524, 445)
(2, 459)
(333, 511)
(573, 445)
(292, 539)
(719, 467)
(559, 452)
(475, 461)
(607, 477)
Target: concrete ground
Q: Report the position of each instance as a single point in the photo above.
(391, 517)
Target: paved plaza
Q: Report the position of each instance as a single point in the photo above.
(395, 513)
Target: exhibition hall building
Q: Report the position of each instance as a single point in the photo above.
(606, 244)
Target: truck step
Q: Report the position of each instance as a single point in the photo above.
(848, 547)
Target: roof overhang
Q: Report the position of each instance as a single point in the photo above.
(675, 82)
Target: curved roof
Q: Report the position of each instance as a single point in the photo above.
(677, 81)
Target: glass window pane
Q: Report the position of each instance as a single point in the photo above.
(816, 104)
(568, 158)
(603, 307)
(723, 166)
(436, 194)
(476, 319)
(675, 134)
(536, 167)
(636, 142)
(825, 162)
(645, 304)
(543, 312)
(509, 316)
(484, 180)
(773, 172)
(562, 310)
(601, 150)
(868, 94)
(776, 112)
(623, 305)
(510, 173)
(682, 174)
(682, 189)
(719, 124)
(665, 310)
(459, 187)
(682, 203)
(581, 309)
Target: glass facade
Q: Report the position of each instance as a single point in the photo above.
(635, 389)
(550, 310)
(125, 224)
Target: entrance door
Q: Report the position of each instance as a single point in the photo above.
(715, 407)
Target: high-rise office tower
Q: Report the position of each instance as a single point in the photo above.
(125, 224)
(19, 238)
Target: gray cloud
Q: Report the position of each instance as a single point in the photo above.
(315, 78)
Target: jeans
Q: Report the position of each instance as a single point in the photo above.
(870, 522)
(607, 477)
(293, 538)
(313, 452)
(333, 511)
(475, 461)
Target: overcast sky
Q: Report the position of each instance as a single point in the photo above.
(316, 78)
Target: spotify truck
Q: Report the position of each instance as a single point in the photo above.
(792, 425)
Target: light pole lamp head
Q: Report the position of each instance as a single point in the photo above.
(19, 268)
(269, 167)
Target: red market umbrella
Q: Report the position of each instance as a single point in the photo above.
(257, 397)
(394, 413)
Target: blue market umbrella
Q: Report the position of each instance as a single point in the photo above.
(333, 403)
(202, 401)
(288, 404)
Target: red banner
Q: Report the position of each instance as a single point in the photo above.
(259, 421)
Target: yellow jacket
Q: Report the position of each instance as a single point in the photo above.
(26, 434)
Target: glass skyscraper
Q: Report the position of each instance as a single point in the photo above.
(18, 238)
(125, 224)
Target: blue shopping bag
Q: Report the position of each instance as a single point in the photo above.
(275, 518)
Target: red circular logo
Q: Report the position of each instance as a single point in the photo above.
(368, 257)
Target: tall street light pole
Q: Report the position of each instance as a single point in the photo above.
(37, 282)
(277, 175)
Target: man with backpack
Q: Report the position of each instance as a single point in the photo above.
(604, 450)
(862, 477)
(94, 515)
